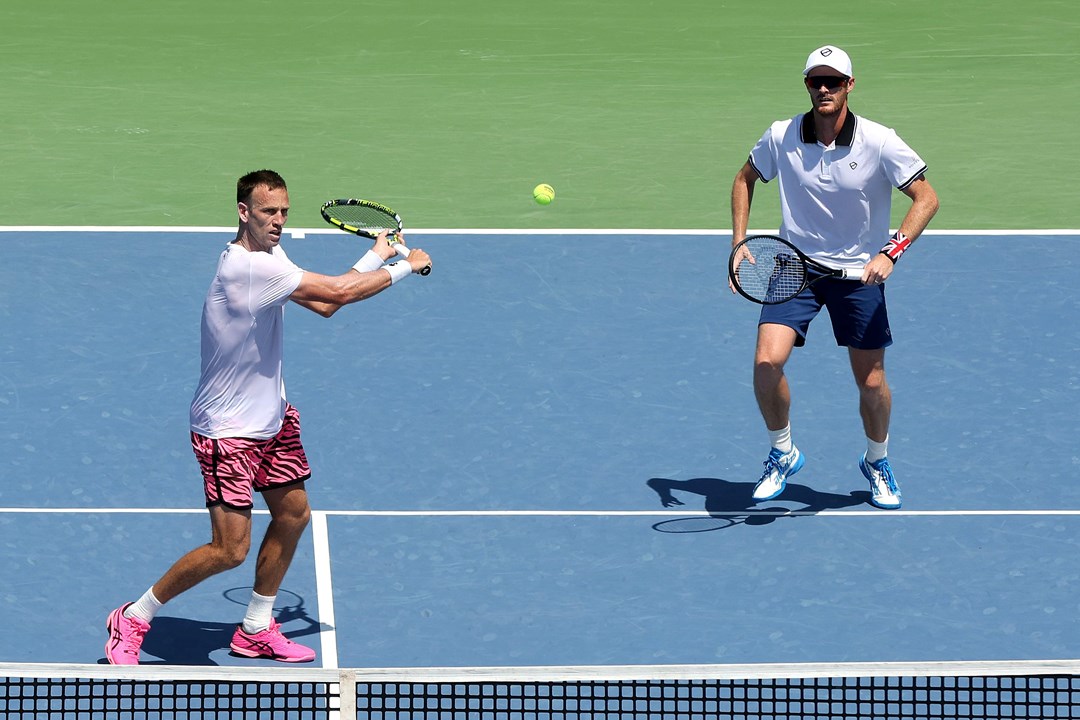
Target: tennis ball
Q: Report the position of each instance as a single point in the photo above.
(543, 194)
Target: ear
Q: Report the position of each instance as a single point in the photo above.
(242, 210)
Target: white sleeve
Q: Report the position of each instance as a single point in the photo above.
(274, 277)
(763, 156)
(901, 164)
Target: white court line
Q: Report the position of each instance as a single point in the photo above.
(324, 590)
(117, 511)
(301, 232)
(685, 513)
(570, 513)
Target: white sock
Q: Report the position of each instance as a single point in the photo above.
(876, 450)
(145, 608)
(260, 611)
(781, 439)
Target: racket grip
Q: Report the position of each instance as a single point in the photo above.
(404, 252)
(849, 274)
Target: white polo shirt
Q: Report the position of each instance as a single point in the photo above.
(836, 200)
(241, 390)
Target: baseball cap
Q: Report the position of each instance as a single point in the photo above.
(829, 56)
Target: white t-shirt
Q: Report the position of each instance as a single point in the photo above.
(241, 390)
(836, 200)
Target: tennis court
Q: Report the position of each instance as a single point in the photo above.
(497, 500)
(491, 451)
(500, 449)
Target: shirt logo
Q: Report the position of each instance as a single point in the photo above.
(853, 165)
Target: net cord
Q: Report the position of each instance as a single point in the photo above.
(552, 673)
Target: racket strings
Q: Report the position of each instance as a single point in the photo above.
(363, 216)
(776, 273)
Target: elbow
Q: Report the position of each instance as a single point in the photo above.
(337, 300)
(932, 206)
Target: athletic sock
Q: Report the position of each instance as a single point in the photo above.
(260, 612)
(876, 450)
(145, 608)
(781, 439)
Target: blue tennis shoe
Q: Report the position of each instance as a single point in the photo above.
(884, 492)
(778, 468)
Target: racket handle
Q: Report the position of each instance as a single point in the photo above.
(403, 251)
(849, 274)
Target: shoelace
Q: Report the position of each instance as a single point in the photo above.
(883, 475)
(275, 634)
(773, 461)
(138, 632)
(771, 464)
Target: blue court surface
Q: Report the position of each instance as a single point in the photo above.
(499, 451)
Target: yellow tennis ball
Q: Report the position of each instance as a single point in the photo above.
(543, 194)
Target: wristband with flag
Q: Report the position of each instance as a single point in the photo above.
(896, 246)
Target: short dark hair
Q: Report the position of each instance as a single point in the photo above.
(247, 184)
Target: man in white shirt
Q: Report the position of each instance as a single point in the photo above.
(245, 434)
(837, 172)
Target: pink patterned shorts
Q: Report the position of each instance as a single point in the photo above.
(233, 468)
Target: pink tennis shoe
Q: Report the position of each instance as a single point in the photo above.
(125, 637)
(270, 643)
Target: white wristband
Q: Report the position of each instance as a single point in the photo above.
(370, 261)
(398, 270)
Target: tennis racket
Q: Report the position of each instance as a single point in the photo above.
(368, 219)
(776, 271)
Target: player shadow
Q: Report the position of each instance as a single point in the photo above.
(730, 503)
(182, 641)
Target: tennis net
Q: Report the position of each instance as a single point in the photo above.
(885, 691)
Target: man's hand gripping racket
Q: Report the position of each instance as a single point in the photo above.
(769, 270)
(368, 219)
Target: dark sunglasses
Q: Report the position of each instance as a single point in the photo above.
(832, 82)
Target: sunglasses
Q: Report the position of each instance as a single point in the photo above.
(831, 82)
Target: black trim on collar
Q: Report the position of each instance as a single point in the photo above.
(845, 138)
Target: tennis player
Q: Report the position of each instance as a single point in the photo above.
(837, 172)
(245, 434)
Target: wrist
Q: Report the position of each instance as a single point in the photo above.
(371, 261)
(398, 270)
(897, 246)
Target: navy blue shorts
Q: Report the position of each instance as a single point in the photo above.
(857, 311)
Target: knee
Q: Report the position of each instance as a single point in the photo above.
(767, 371)
(874, 383)
(303, 517)
(232, 554)
(295, 518)
(767, 365)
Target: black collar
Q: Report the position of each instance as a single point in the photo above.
(847, 132)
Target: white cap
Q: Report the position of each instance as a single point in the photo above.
(829, 56)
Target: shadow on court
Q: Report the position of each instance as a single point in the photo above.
(180, 641)
(730, 503)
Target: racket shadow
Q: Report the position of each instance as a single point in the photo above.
(730, 503)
